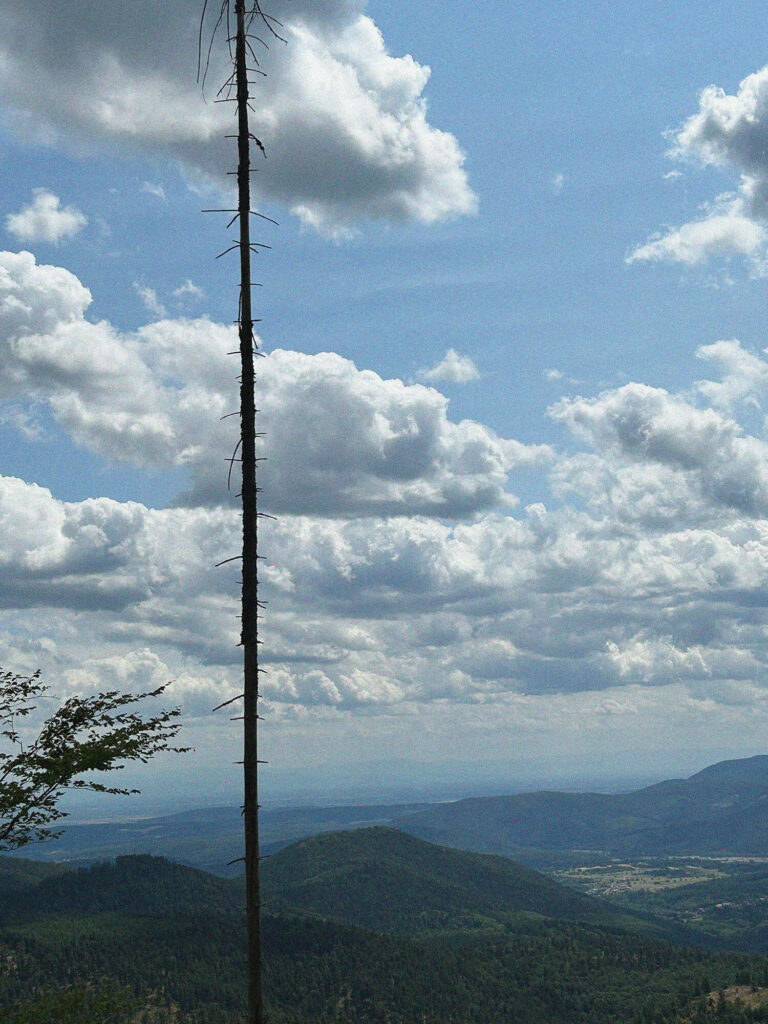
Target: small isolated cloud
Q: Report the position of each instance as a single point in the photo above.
(103, 229)
(720, 235)
(45, 220)
(557, 183)
(150, 300)
(188, 290)
(555, 376)
(154, 190)
(453, 369)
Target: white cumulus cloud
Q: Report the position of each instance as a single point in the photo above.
(45, 220)
(702, 461)
(452, 368)
(723, 235)
(728, 132)
(338, 440)
(344, 122)
(399, 582)
(743, 375)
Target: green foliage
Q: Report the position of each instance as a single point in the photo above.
(131, 885)
(16, 872)
(84, 1004)
(84, 736)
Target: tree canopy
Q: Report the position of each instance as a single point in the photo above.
(86, 737)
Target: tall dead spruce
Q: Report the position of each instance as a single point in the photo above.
(244, 64)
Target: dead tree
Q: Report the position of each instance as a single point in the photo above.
(245, 62)
(250, 582)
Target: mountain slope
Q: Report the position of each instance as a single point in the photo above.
(728, 913)
(722, 810)
(18, 871)
(383, 879)
(131, 885)
(373, 878)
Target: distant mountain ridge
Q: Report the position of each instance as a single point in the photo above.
(742, 767)
(720, 811)
(207, 838)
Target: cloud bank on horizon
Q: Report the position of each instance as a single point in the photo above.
(344, 123)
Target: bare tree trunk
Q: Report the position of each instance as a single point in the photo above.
(250, 604)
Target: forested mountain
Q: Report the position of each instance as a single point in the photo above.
(386, 880)
(721, 810)
(19, 872)
(130, 885)
(449, 936)
(377, 925)
(374, 878)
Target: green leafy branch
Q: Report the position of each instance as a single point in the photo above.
(92, 734)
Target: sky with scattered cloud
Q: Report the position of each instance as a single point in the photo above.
(513, 395)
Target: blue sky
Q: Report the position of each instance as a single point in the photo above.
(514, 389)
